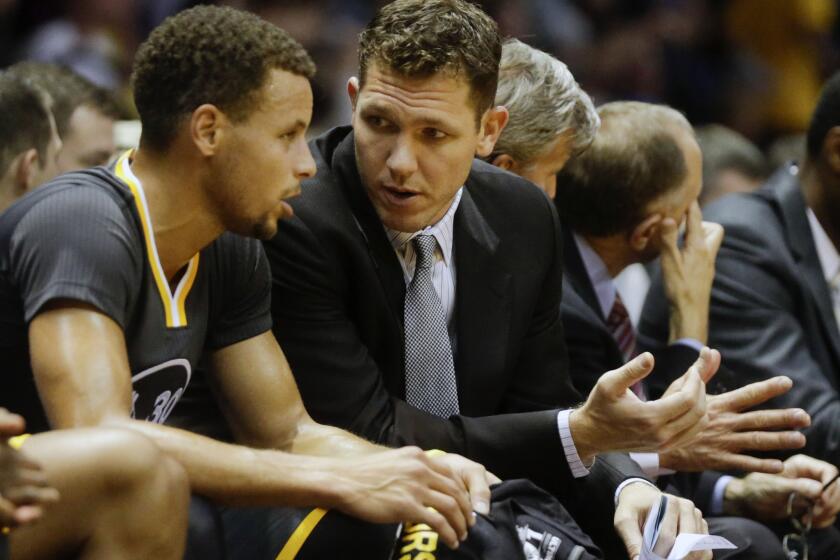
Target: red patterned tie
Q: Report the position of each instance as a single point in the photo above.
(622, 331)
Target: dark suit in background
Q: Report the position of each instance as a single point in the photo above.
(771, 311)
(338, 308)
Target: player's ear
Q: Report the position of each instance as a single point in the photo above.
(207, 128)
(492, 123)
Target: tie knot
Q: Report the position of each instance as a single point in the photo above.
(424, 246)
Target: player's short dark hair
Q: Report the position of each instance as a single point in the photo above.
(634, 160)
(825, 116)
(24, 120)
(420, 38)
(208, 54)
(67, 90)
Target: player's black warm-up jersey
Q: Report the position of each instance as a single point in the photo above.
(87, 237)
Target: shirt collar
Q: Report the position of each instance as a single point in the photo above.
(826, 251)
(442, 231)
(602, 282)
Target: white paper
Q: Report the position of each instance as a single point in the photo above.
(684, 544)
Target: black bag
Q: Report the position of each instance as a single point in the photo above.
(525, 523)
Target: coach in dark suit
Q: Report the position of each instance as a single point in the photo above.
(345, 269)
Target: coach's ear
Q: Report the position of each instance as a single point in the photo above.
(504, 161)
(646, 232)
(492, 123)
(207, 127)
(24, 169)
(353, 91)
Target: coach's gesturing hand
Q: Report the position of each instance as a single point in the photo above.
(731, 431)
(613, 418)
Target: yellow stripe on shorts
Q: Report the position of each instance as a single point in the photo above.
(300, 534)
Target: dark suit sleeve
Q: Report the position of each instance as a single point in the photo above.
(342, 385)
(754, 323)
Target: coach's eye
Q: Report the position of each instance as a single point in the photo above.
(434, 133)
(377, 122)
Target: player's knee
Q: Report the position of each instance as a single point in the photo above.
(128, 460)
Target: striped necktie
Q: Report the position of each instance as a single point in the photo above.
(621, 328)
(430, 382)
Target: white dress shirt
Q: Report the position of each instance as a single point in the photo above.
(829, 261)
(443, 279)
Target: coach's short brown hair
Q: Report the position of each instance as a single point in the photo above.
(208, 54)
(420, 38)
(634, 160)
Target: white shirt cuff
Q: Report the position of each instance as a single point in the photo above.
(575, 464)
(649, 463)
(716, 505)
(628, 482)
(691, 343)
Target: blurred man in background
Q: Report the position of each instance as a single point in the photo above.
(29, 141)
(731, 163)
(84, 114)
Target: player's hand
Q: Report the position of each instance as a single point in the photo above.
(24, 490)
(730, 431)
(406, 485)
(613, 418)
(765, 496)
(688, 272)
(474, 476)
(634, 504)
(10, 424)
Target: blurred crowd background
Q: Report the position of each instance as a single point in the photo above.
(754, 66)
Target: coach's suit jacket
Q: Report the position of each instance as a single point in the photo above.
(338, 307)
(593, 350)
(771, 311)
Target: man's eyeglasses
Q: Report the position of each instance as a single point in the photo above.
(795, 544)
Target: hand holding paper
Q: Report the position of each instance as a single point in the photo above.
(685, 543)
(669, 523)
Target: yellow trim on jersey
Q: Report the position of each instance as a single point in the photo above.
(17, 441)
(173, 304)
(300, 534)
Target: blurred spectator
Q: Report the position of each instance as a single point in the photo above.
(731, 163)
(717, 61)
(84, 114)
(788, 37)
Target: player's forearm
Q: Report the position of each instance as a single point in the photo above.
(322, 440)
(239, 475)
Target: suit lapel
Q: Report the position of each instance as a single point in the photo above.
(381, 253)
(575, 273)
(482, 303)
(801, 241)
